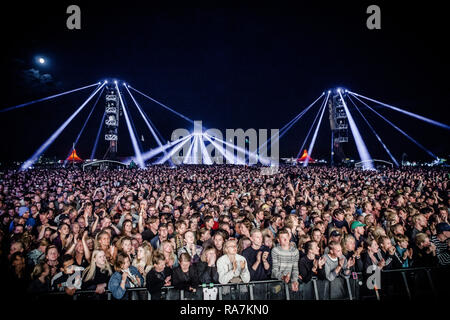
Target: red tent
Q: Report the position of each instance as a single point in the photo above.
(74, 157)
(305, 156)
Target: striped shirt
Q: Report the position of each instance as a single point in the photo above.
(441, 251)
(284, 262)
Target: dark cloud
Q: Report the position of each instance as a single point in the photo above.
(33, 76)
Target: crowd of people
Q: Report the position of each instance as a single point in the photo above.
(64, 230)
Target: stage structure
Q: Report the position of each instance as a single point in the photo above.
(112, 115)
(336, 100)
(339, 128)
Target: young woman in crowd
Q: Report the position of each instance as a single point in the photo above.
(232, 267)
(125, 276)
(193, 250)
(97, 275)
(143, 260)
(103, 242)
(167, 249)
(52, 259)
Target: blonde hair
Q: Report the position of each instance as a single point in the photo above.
(227, 243)
(420, 238)
(148, 252)
(38, 270)
(347, 237)
(89, 272)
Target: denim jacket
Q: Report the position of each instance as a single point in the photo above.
(116, 278)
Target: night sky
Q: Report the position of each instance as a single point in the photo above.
(253, 66)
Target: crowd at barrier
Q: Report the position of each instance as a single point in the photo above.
(407, 283)
(224, 231)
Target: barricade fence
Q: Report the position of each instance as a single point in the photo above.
(408, 283)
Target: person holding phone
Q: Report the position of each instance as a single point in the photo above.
(125, 277)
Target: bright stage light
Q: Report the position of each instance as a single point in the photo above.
(115, 81)
(329, 91)
(106, 81)
(41, 60)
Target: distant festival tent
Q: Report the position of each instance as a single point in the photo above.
(74, 157)
(305, 156)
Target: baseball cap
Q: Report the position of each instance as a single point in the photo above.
(441, 227)
(356, 224)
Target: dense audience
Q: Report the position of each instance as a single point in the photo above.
(65, 230)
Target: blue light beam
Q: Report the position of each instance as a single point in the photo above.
(399, 130)
(163, 105)
(289, 125)
(94, 149)
(312, 126)
(48, 98)
(411, 114)
(53, 137)
(84, 125)
(374, 132)
(313, 141)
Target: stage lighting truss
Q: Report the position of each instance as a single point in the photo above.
(112, 110)
(338, 124)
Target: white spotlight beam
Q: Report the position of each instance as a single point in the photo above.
(411, 114)
(313, 141)
(360, 145)
(55, 135)
(172, 152)
(137, 152)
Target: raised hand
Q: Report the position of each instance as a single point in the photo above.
(258, 256)
(321, 262)
(341, 261)
(351, 262)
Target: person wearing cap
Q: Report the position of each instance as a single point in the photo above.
(335, 236)
(441, 241)
(358, 232)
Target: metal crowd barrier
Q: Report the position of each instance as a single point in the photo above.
(408, 283)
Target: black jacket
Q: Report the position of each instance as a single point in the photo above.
(155, 281)
(183, 281)
(207, 274)
(305, 266)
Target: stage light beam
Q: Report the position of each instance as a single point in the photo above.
(291, 123)
(28, 163)
(84, 125)
(399, 130)
(360, 145)
(48, 98)
(411, 114)
(375, 133)
(312, 126)
(313, 141)
(134, 142)
(94, 149)
(163, 105)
